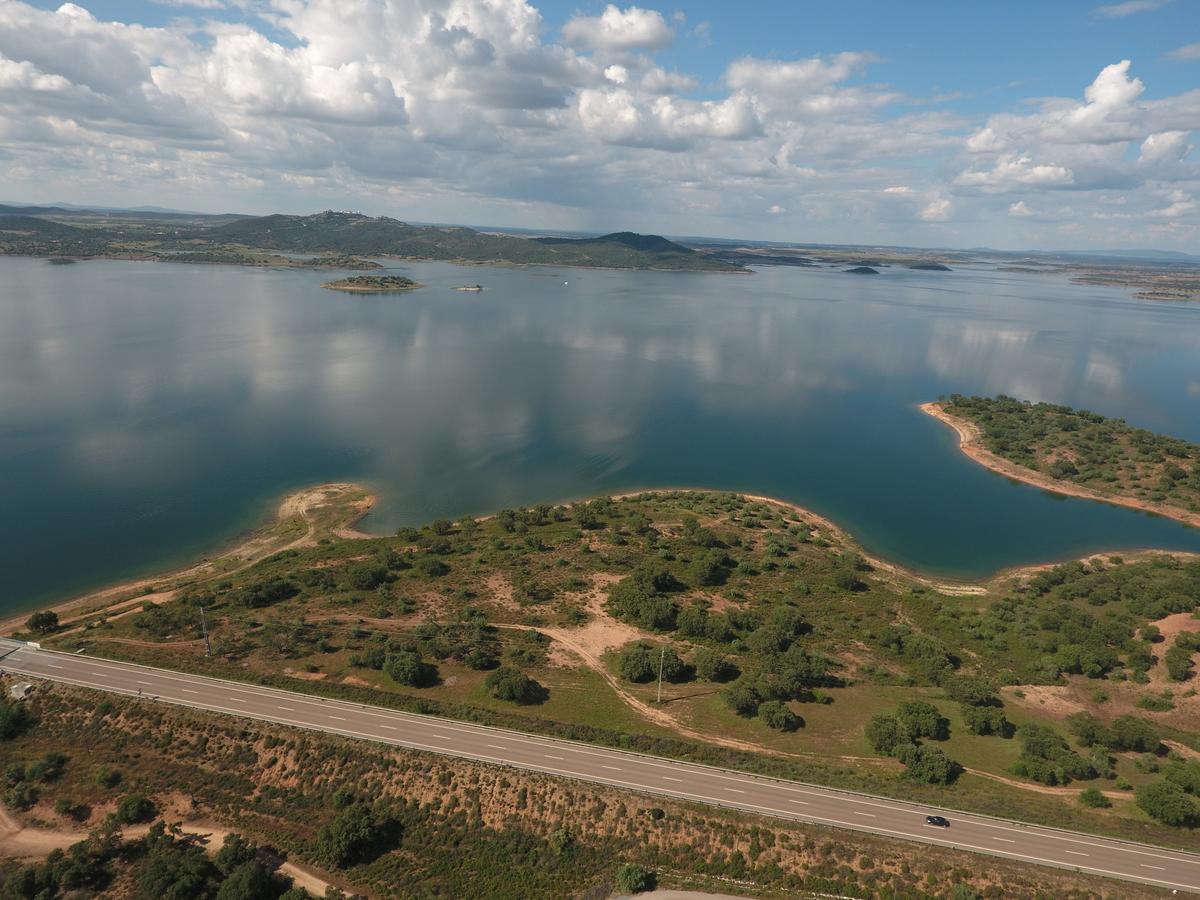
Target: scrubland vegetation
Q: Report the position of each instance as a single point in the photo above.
(781, 649)
(1083, 448)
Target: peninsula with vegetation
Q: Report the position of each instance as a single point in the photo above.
(1078, 453)
(373, 284)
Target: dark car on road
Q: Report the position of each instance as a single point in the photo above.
(939, 821)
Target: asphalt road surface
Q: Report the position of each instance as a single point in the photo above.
(646, 774)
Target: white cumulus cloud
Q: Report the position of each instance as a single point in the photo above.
(620, 30)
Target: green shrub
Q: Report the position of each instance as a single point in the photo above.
(779, 716)
(134, 809)
(1094, 798)
(634, 879)
(513, 685)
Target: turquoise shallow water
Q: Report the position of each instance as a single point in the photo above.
(149, 412)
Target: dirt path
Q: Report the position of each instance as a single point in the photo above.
(970, 441)
(300, 508)
(19, 841)
(1045, 789)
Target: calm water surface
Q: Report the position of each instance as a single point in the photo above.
(149, 412)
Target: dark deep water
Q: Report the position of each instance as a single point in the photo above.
(149, 412)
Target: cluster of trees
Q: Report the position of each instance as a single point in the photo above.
(900, 736)
(1047, 758)
(643, 597)
(1175, 800)
(1178, 659)
(1086, 448)
(267, 592)
(929, 657)
(468, 639)
(981, 707)
(21, 781)
(166, 866)
(1125, 733)
(790, 674)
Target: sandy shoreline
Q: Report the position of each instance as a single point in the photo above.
(293, 524)
(970, 441)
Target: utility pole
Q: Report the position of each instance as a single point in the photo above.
(204, 628)
(662, 657)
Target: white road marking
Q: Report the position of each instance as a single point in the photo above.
(1074, 853)
(53, 666)
(799, 802)
(288, 708)
(186, 691)
(613, 768)
(388, 727)
(548, 756)
(1006, 840)
(669, 778)
(736, 790)
(497, 747)
(339, 718)
(1160, 868)
(146, 682)
(868, 815)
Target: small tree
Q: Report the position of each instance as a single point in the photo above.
(249, 881)
(348, 838)
(134, 809)
(885, 734)
(235, 851)
(634, 879)
(711, 665)
(406, 667)
(927, 764)
(513, 685)
(920, 719)
(635, 663)
(14, 719)
(777, 715)
(1094, 798)
(42, 622)
(742, 697)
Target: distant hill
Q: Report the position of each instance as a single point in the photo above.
(10, 210)
(342, 232)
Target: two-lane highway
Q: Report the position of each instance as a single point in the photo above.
(645, 774)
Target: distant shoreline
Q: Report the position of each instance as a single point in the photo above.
(971, 444)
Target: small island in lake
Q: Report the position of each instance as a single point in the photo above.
(862, 270)
(373, 284)
(930, 267)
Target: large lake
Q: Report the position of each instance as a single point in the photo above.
(149, 412)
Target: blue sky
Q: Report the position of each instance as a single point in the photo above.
(1068, 124)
